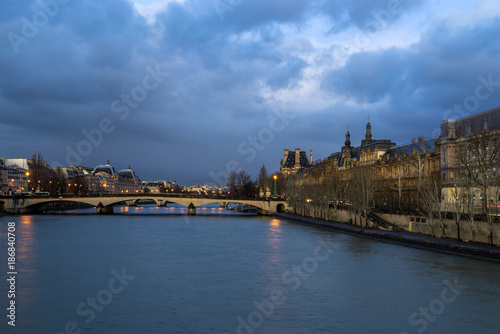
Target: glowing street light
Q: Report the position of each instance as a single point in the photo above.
(275, 177)
(27, 178)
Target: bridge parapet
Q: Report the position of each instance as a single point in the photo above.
(104, 205)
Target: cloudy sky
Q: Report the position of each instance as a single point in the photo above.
(187, 90)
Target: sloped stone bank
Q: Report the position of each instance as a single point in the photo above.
(478, 250)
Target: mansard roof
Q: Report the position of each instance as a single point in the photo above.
(471, 124)
(290, 161)
(427, 144)
(107, 168)
(354, 152)
(126, 174)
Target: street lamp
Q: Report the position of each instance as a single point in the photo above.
(275, 177)
(27, 177)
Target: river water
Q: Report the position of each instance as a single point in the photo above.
(152, 270)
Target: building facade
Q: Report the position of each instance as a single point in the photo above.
(293, 161)
(470, 162)
(13, 177)
(367, 153)
(454, 131)
(109, 181)
(396, 172)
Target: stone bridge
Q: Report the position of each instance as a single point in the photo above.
(104, 204)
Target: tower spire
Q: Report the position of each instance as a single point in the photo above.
(348, 138)
(368, 134)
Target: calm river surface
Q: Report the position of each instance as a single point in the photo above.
(142, 271)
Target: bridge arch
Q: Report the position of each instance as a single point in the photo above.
(105, 204)
(280, 208)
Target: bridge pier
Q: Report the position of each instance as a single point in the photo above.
(17, 206)
(263, 212)
(104, 210)
(191, 210)
(131, 203)
(161, 203)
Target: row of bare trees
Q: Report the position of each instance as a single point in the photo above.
(240, 185)
(475, 192)
(474, 195)
(43, 178)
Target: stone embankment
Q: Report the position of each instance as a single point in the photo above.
(479, 250)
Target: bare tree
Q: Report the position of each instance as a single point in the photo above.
(39, 178)
(240, 184)
(465, 176)
(361, 190)
(246, 187)
(263, 180)
(455, 204)
(479, 160)
(297, 193)
(316, 192)
(332, 186)
(231, 183)
(431, 201)
(402, 163)
(418, 148)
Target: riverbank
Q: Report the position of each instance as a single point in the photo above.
(478, 250)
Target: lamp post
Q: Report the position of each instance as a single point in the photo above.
(275, 177)
(27, 177)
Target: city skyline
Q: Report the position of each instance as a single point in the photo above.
(193, 87)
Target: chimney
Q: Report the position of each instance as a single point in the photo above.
(286, 156)
(297, 157)
(311, 156)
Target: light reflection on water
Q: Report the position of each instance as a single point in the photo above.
(200, 274)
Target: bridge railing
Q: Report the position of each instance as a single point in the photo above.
(166, 195)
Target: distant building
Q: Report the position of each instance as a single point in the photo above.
(158, 186)
(19, 162)
(367, 153)
(13, 175)
(293, 161)
(122, 182)
(105, 170)
(456, 130)
(206, 188)
(76, 180)
(395, 168)
(398, 172)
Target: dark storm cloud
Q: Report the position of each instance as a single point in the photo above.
(368, 76)
(366, 14)
(223, 76)
(417, 85)
(250, 14)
